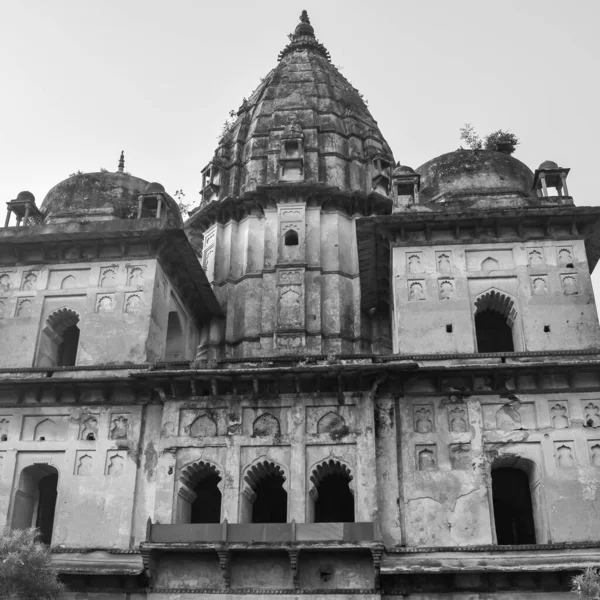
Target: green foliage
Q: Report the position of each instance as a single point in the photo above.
(496, 139)
(499, 141)
(587, 584)
(470, 137)
(26, 571)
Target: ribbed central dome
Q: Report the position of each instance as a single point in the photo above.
(305, 99)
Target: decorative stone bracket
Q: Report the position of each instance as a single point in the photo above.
(377, 553)
(224, 556)
(294, 554)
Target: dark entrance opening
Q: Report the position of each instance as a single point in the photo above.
(67, 349)
(35, 500)
(335, 503)
(47, 489)
(513, 511)
(270, 504)
(493, 332)
(206, 508)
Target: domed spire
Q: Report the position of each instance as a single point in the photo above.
(304, 38)
(304, 27)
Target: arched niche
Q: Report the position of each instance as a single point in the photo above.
(331, 495)
(34, 501)
(266, 425)
(497, 324)
(510, 477)
(45, 431)
(59, 339)
(264, 497)
(199, 497)
(331, 422)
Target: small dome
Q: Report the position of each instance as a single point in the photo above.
(403, 170)
(104, 194)
(25, 196)
(154, 188)
(471, 174)
(548, 164)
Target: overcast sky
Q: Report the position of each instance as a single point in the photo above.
(85, 80)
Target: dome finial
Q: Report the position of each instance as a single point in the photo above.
(122, 162)
(304, 27)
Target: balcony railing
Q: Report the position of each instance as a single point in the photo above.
(273, 533)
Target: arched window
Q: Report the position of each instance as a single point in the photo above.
(265, 498)
(175, 337)
(59, 340)
(333, 500)
(495, 316)
(200, 496)
(34, 501)
(290, 238)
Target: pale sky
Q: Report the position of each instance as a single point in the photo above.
(85, 80)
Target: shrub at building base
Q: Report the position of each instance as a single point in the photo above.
(26, 571)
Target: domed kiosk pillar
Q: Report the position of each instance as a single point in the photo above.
(405, 187)
(549, 174)
(24, 209)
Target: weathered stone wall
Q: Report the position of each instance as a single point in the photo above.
(448, 446)
(97, 477)
(298, 299)
(436, 287)
(122, 307)
(228, 433)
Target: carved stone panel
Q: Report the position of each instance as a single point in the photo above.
(443, 261)
(446, 289)
(564, 256)
(591, 413)
(334, 420)
(119, 426)
(559, 414)
(84, 462)
(135, 276)
(594, 453)
(416, 290)
(535, 257)
(88, 429)
(105, 303)
(204, 422)
(290, 299)
(426, 457)
(423, 418)
(460, 456)
(458, 419)
(565, 454)
(414, 262)
(5, 282)
(46, 428)
(539, 285)
(30, 281)
(24, 307)
(132, 303)
(509, 416)
(108, 277)
(265, 421)
(4, 429)
(115, 463)
(569, 284)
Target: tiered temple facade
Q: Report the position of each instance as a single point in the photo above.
(340, 377)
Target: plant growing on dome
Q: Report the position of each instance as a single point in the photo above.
(501, 141)
(471, 137)
(497, 141)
